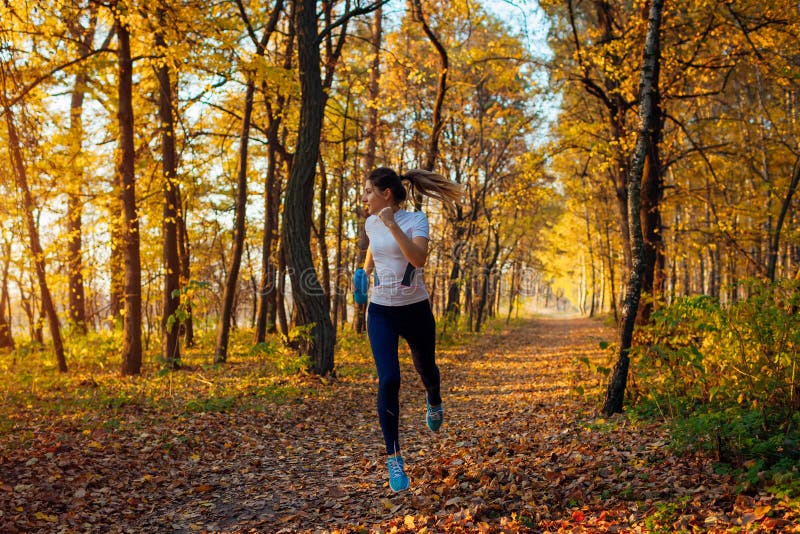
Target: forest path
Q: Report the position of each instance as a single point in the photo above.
(520, 451)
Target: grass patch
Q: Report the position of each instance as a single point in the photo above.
(93, 394)
(212, 404)
(665, 515)
(601, 425)
(278, 393)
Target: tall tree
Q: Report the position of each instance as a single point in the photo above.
(310, 301)
(368, 162)
(775, 240)
(240, 227)
(186, 268)
(129, 225)
(309, 297)
(28, 208)
(652, 197)
(648, 127)
(268, 302)
(77, 295)
(6, 338)
(170, 327)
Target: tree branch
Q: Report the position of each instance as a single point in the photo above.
(347, 16)
(13, 101)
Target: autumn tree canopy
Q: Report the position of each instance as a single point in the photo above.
(177, 185)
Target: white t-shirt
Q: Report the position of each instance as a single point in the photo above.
(395, 281)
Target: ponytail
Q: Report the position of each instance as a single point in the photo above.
(434, 185)
(425, 182)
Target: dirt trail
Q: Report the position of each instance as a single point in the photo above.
(510, 415)
(519, 451)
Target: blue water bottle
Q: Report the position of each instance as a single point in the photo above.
(361, 283)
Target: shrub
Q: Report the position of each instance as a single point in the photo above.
(727, 377)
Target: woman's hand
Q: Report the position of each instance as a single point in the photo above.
(387, 216)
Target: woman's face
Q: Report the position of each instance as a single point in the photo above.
(374, 199)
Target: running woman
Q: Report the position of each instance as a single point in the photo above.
(399, 303)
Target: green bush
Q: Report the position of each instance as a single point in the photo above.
(671, 368)
(727, 377)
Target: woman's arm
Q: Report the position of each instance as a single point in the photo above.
(369, 263)
(415, 250)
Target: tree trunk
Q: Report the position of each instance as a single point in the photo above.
(338, 266)
(590, 246)
(170, 322)
(338, 310)
(267, 298)
(266, 287)
(77, 295)
(512, 290)
(774, 242)
(648, 117)
(184, 251)
(21, 177)
(6, 338)
(650, 213)
(28, 303)
(322, 226)
(239, 227)
(116, 266)
(309, 297)
(455, 280)
(283, 321)
(611, 274)
(132, 319)
(229, 294)
(369, 152)
(469, 282)
(486, 278)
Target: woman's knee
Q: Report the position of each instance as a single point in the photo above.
(389, 383)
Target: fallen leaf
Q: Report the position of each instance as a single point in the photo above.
(45, 517)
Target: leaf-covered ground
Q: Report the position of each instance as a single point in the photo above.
(520, 451)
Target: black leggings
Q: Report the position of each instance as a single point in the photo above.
(385, 325)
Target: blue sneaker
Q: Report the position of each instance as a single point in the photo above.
(398, 480)
(434, 417)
